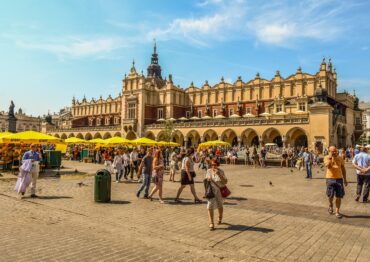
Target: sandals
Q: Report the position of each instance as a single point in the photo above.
(219, 222)
(338, 215)
(330, 210)
(196, 201)
(211, 226)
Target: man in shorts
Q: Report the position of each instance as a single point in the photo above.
(335, 180)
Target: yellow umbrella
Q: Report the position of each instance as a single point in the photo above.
(2, 134)
(117, 140)
(214, 143)
(75, 140)
(30, 137)
(164, 143)
(143, 141)
(97, 141)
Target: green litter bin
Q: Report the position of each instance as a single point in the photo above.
(102, 187)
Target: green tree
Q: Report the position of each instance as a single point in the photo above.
(168, 128)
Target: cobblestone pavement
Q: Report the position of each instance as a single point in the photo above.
(287, 221)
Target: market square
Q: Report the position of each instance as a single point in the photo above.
(197, 130)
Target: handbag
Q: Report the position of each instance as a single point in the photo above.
(225, 192)
(208, 189)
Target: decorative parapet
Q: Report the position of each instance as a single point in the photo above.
(236, 122)
(85, 129)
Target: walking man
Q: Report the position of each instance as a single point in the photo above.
(335, 178)
(307, 160)
(145, 169)
(35, 158)
(361, 162)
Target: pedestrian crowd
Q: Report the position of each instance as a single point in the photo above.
(148, 165)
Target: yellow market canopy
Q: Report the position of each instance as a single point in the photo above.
(97, 141)
(30, 137)
(143, 141)
(164, 143)
(75, 140)
(117, 140)
(214, 143)
(3, 134)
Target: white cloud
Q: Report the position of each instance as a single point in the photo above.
(75, 47)
(281, 23)
(202, 30)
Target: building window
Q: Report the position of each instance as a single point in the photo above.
(116, 120)
(98, 122)
(131, 111)
(231, 111)
(302, 107)
(279, 108)
(248, 110)
(159, 113)
(358, 121)
(91, 121)
(200, 114)
(214, 112)
(107, 121)
(187, 114)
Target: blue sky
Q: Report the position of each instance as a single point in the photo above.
(53, 50)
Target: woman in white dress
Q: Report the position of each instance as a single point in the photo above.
(118, 165)
(217, 179)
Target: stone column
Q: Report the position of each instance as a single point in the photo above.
(239, 141)
(186, 139)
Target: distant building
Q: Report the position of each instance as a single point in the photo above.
(365, 106)
(301, 109)
(24, 122)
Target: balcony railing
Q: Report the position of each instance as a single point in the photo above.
(235, 122)
(86, 128)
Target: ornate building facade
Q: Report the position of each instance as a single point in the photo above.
(365, 106)
(23, 122)
(300, 109)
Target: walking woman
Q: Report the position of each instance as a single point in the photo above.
(255, 157)
(217, 179)
(126, 163)
(157, 175)
(173, 165)
(118, 165)
(187, 175)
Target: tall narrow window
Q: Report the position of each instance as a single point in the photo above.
(131, 111)
(248, 110)
(279, 108)
(302, 106)
(214, 112)
(159, 113)
(200, 114)
(231, 111)
(187, 114)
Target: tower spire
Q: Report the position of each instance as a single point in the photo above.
(154, 69)
(155, 47)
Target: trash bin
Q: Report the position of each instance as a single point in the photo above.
(102, 187)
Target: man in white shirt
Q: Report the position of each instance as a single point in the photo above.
(361, 162)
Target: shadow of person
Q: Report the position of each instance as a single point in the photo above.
(356, 216)
(237, 198)
(53, 197)
(242, 228)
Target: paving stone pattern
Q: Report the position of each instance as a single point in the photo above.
(287, 221)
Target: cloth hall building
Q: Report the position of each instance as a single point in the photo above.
(298, 110)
